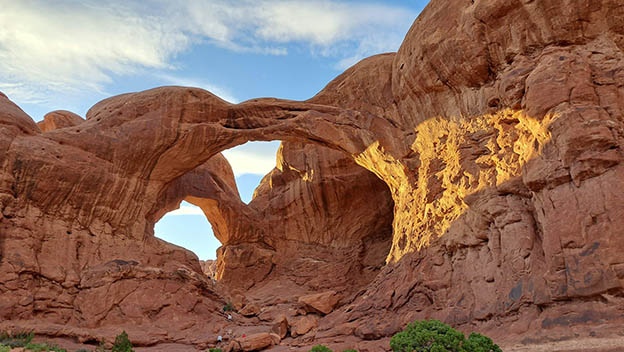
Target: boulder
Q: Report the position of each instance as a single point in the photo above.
(323, 302)
(303, 325)
(251, 309)
(280, 327)
(254, 342)
(239, 301)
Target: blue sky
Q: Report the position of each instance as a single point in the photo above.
(69, 54)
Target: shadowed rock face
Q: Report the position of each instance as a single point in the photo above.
(481, 164)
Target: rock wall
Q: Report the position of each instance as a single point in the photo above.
(511, 222)
(496, 130)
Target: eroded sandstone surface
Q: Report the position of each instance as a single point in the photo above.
(474, 177)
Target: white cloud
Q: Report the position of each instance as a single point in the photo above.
(76, 46)
(373, 43)
(72, 45)
(326, 22)
(186, 210)
(28, 95)
(221, 92)
(256, 158)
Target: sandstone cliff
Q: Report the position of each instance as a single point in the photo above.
(474, 176)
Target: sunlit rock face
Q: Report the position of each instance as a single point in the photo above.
(473, 177)
(59, 119)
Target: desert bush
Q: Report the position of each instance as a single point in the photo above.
(16, 340)
(228, 307)
(435, 336)
(479, 343)
(43, 347)
(5, 348)
(214, 350)
(350, 350)
(122, 344)
(320, 348)
(36, 347)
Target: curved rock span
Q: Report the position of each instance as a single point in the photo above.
(474, 177)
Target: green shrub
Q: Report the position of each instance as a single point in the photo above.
(320, 348)
(82, 350)
(214, 350)
(479, 343)
(122, 344)
(350, 350)
(17, 340)
(228, 307)
(24, 340)
(36, 347)
(57, 349)
(43, 347)
(14, 343)
(435, 336)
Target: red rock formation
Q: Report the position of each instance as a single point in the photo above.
(104, 244)
(255, 342)
(59, 119)
(525, 247)
(322, 303)
(497, 130)
(209, 267)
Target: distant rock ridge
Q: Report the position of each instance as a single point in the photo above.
(59, 119)
(473, 177)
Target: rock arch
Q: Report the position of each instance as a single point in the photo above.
(210, 185)
(158, 135)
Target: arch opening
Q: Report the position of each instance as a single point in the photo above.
(250, 163)
(317, 210)
(189, 227)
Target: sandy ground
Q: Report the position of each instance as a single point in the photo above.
(597, 344)
(612, 344)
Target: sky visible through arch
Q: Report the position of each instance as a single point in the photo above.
(189, 228)
(70, 54)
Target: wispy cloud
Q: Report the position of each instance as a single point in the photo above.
(256, 158)
(76, 46)
(71, 46)
(27, 94)
(221, 92)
